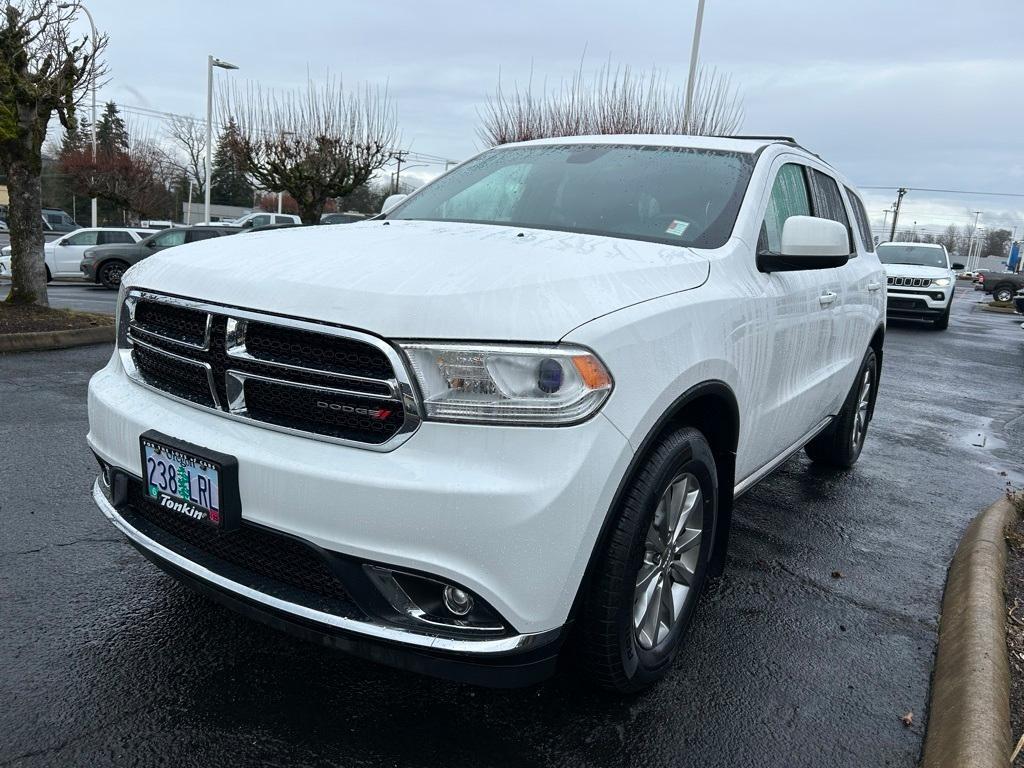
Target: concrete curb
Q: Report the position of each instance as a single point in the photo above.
(44, 340)
(969, 717)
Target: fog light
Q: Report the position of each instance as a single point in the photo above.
(457, 601)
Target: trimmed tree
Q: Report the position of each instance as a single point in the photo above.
(43, 71)
(612, 101)
(314, 145)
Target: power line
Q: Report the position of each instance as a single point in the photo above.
(948, 191)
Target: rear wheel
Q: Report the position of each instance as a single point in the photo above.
(110, 274)
(653, 567)
(49, 277)
(840, 445)
(1002, 293)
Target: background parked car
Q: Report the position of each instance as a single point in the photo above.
(63, 256)
(1018, 301)
(57, 220)
(261, 219)
(342, 218)
(3, 226)
(107, 263)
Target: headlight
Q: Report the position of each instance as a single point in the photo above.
(509, 384)
(941, 282)
(119, 309)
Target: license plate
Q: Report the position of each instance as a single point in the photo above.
(192, 483)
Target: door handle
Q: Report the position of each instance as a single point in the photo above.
(874, 286)
(828, 297)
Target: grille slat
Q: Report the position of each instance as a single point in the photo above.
(329, 384)
(256, 551)
(909, 282)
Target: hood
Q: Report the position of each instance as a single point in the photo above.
(416, 279)
(913, 270)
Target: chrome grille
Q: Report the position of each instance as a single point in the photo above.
(910, 282)
(286, 374)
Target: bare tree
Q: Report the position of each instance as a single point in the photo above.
(43, 70)
(188, 136)
(314, 145)
(613, 101)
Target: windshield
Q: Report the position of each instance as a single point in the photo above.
(921, 255)
(675, 195)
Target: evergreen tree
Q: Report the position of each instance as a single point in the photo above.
(229, 184)
(111, 132)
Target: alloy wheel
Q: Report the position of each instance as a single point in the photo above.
(860, 418)
(665, 582)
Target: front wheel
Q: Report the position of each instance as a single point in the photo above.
(110, 274)
(840, 445)
(942, 321)
(653, 567)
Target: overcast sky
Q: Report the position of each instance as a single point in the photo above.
(922, 93)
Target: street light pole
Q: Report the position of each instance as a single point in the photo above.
(92, 76)
(694, 49)
(970, 243)
(211, 62)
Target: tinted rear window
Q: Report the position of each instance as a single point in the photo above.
(679, 196)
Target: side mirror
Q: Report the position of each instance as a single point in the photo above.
(957, 265)
(391, 201)
(808, 242)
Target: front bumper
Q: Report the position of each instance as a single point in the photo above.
(918, 303)
(89, 270)
(510, 513)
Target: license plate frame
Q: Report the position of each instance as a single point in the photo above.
(228, 516)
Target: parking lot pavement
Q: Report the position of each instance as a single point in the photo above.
(819, 637)
(71, 295)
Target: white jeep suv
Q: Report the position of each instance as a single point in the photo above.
(920, 281)
(520, 403)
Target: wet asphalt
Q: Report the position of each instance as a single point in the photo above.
(75, 295)
(106, 661)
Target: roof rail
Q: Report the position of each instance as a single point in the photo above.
(790, 139)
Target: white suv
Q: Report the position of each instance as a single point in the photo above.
(522, 401)
(920, 281)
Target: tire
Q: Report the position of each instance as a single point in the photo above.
(840, 445)
(942, 321)
(109, 274)
(624, 654)
(49, 277)
(1002, 293)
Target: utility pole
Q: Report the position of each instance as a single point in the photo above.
(896, 210)
(885, 218)
(400, 155)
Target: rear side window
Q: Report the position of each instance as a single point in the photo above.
(284, 220)
(82, 238)
(107, 238)
(789, 198)
(828, 203)
(860, 215)
(202, 234)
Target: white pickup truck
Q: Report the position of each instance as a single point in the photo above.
(520, 402)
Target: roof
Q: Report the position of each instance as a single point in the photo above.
(727, 143)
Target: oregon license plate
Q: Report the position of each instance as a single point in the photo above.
(182, 482)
